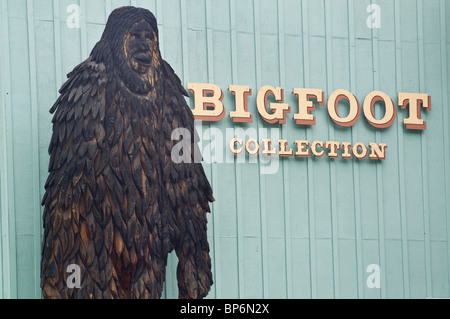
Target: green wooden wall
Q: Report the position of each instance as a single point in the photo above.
(311, 229)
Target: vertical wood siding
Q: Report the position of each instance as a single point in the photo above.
(311, 229)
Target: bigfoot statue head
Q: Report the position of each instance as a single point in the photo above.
(132, 36)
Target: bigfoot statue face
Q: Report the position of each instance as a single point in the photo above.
(139, 47)
(132, 35)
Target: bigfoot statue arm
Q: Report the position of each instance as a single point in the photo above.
(73, 231)
(188, 193)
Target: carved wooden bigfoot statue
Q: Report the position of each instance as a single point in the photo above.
(116, 202)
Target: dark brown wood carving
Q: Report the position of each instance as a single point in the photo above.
(116, 202)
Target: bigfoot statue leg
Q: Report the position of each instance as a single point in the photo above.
(194, 263)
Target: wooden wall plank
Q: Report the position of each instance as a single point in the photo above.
(36, 199)
(2, 106)
(310, 177)
(21, 125)
(237, 168)
(401, 161)
(426, 211)
(286, 191)
(46, 96)
(9, 250)
(352, 34)
(379, 137)
(394, 270)
(3, 191)
(370, 249)
(251, 218)
(445, 78)
(330, 30)
(259, 80)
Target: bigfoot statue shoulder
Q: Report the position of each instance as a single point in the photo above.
(116, 203)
